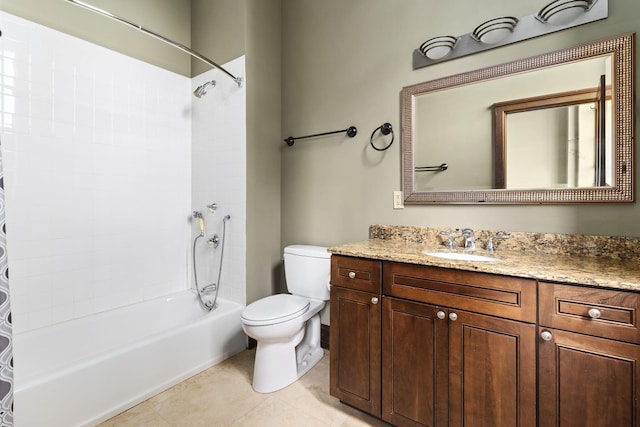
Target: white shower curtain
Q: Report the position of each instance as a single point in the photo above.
(6, 347)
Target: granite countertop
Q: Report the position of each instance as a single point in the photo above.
(573, 269)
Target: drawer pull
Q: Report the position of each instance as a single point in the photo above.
(594, 313)
(453, 316)
(352, 275)
(374, 300)
(546, 335)
(441, 314)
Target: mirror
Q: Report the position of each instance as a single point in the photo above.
(463, 135)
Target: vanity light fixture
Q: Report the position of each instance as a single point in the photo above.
(555, 16)
(562, 12)
(438, 47)
(494, 30)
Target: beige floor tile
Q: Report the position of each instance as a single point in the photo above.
(138, 416)
(241, 363)
(313, 400)
(227, 399)
(222, 396)
(274, 412)
(174, 410)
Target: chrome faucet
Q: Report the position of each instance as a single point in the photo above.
(469, 239)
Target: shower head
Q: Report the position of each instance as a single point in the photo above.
(202, 89)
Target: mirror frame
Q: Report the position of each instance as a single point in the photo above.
(621, 191)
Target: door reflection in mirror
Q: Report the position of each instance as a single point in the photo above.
(559, 140)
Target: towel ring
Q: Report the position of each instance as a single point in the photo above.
(384, 129)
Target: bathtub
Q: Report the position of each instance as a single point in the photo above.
(82, 372)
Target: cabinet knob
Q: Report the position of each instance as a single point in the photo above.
(352, 275)
(374, 300)
(441, 314)
(594, 313)
(453, 316)
(546, 335)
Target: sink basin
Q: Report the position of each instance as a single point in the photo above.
(461, 256)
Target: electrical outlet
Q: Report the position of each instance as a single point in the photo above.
(398, 203)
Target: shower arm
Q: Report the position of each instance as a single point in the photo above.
(177, 45)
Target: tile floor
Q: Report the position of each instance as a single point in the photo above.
(222, 397)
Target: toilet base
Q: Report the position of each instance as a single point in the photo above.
(311, 361)
(278, 365)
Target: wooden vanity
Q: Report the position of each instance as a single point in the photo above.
(424, 345)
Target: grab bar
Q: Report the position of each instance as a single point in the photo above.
(442, 167)
(351, 132)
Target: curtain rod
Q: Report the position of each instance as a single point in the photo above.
(177, 45)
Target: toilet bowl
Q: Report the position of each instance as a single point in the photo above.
(287, 326)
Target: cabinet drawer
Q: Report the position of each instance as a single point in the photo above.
(606, 313)
(356, 273)
(502, 296)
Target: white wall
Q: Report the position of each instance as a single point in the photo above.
(219, 176)
(96, 150)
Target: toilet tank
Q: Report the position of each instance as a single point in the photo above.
(307, 271)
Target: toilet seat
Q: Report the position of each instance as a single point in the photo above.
(274, 309)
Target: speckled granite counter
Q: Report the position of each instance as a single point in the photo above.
(618, 268)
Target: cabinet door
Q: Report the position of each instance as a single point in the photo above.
(492, 371)
(587, 381)
(414, 370)
(355, 349)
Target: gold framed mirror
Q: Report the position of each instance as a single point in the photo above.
(450, 121)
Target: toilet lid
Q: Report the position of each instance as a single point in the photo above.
(274, 309)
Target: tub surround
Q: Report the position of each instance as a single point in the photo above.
(602, 261)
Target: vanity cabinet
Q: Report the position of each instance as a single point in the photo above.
(443, 365)
(589, 350)
(355, 332)
(426, 346)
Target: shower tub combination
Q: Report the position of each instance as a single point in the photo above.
(82, 372)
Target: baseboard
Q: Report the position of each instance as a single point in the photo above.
(324, 336)
(251, 343)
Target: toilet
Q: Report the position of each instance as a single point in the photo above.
(287, 326)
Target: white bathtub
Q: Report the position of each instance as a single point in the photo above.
(82, 372)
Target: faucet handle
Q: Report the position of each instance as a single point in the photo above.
(449, 243)
(490, 246)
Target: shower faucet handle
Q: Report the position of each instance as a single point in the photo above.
(212, 207)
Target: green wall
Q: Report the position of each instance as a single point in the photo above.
(170, 18)
(264, 86)
(217, 31)
(345, 63)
